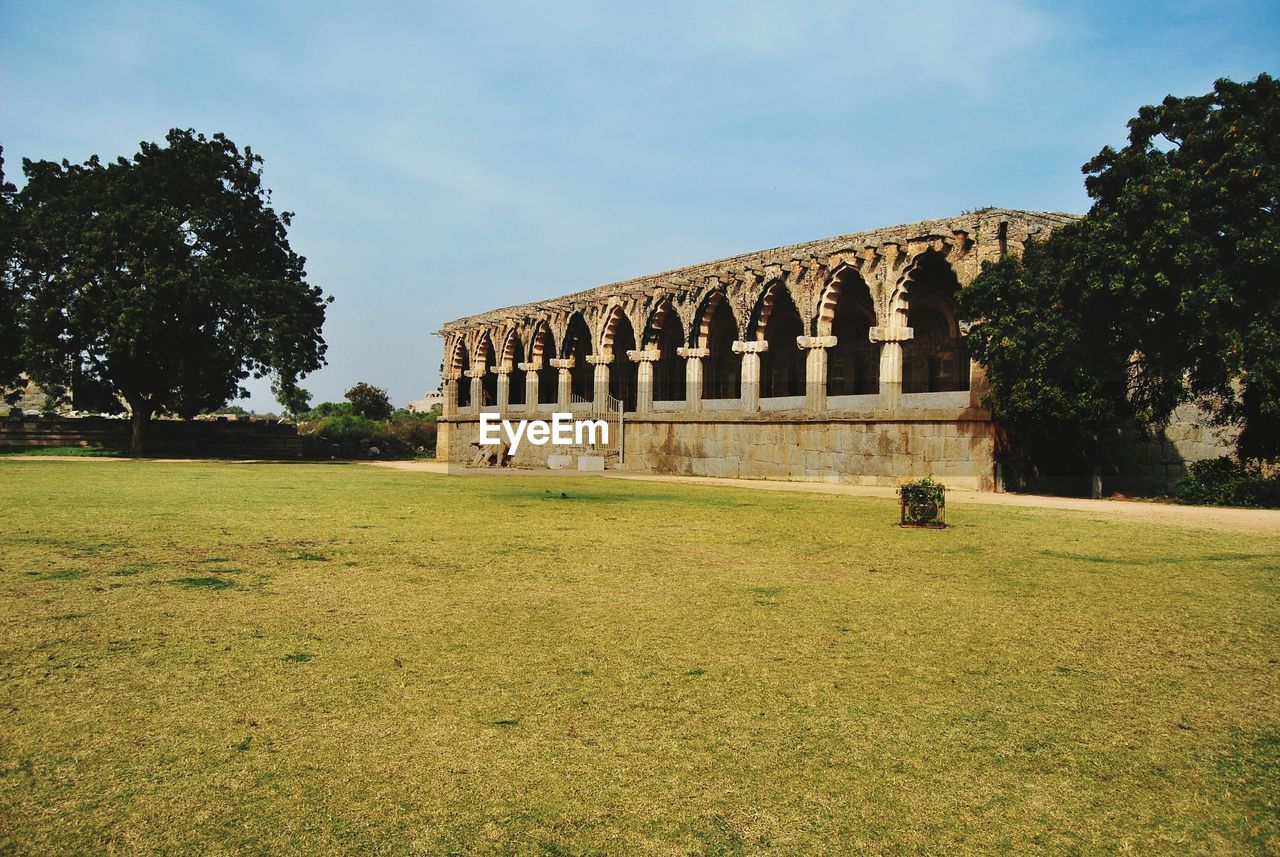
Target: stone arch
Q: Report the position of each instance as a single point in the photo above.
(457, 361)
(664, 333)
(778, 322)
(462, 385)
(717, 329)
(577, 347)
(511, 358)
(486, 361)
(615, 322)
(617, 337)
(663, 317)
(542, 349)
(936, 358)
(846, 310)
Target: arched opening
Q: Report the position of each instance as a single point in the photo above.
(577, 345)
(462, 386)
(936, 358)
(623, 373)
(721, 368)
(488, 383)
(668, 369)
(513, 357)
(544, 348)
(853, 363)
(782, 365)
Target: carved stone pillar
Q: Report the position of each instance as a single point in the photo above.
(644, 378)
(564, 386)
(450, 395)
(504, 387)
(477, 388)
(979, 386)
(693, 376)
(891, 339)
(600, 379)
(815, 370)
(530, 385)
(750, 352)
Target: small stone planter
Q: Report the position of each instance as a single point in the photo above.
(924, 504)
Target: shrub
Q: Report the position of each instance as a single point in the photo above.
(326, 409)
(1227, 482)
(923, 502)
(348, 435)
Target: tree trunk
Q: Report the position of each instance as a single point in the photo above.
(140, 418)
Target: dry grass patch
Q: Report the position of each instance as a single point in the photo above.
(219, 657)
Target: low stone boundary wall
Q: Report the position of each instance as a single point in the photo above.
(230, 438)
(955, 447)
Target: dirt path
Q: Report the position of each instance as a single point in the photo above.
(1204, 517)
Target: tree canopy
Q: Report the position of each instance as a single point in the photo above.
(1168, 291)
(10, 338)
(369, 401)
(166, 280)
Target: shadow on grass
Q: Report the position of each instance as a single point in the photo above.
(203, 582)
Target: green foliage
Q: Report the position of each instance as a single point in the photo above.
(9, 331)
(349, 435)
(291, 397)
(1188, 217)
(1053, 345)
(923, 500)
(1227, 482)
(1164, 293)
(166, 278)
(327, 409)
(369, 401)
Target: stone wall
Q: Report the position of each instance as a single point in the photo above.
(1153, 464)
(875, 449)
(230, 438)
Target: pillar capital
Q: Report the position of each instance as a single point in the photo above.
(450, 376)
(562, 362)
(815, 341)
(693, 352)
(478, 372)
(526, 367)
(644, 355)
(599, 359)
(504, 369)
(891, 334)
(751, 346)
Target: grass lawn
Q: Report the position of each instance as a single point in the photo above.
(215, 657)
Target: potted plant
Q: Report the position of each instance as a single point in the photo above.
(924, 503)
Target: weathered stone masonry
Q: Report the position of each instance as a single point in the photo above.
(840, 359)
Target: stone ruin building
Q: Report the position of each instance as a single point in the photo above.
(839, 360)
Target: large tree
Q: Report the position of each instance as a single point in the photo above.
(1168, 291)
(166, 279)
(1189, 213)
(1054, 342)
(10, 339)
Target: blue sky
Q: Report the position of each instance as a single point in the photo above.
(447, 159)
